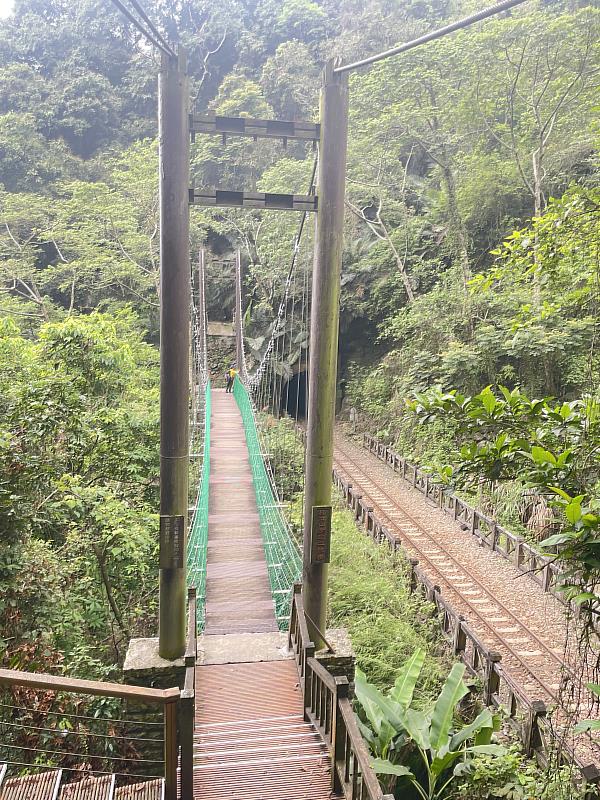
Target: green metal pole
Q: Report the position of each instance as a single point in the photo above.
(324, 332)
(173, 100)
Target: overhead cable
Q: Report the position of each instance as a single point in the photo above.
(139, 8)
(429, 37)
(255, 379)
(165, 49)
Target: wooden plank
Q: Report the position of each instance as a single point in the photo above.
(43, 786)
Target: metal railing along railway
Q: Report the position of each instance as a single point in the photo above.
(542, 569)
(541, 737)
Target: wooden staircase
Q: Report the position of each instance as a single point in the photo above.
(52, 785)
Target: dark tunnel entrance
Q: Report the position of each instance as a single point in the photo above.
(293, 396)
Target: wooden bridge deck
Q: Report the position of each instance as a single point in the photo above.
(238, 594)
(251, 740)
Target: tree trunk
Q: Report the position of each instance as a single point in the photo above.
(457, 227)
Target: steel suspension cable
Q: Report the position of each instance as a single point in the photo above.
(430, 37)
(282, 305)
(140, 9)
(136, 23)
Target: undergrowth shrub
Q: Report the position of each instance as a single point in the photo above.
(369, 594)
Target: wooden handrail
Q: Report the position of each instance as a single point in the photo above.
(11, 677)
(322, 674)
(333, 717)
(359, 748)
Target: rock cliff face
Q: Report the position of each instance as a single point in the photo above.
(221, 351)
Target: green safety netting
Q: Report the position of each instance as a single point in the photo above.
(284, 562)
(198, 534)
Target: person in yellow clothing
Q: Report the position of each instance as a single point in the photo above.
(231, 373)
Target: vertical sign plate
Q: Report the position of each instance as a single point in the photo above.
(172, 541)
(320, 534)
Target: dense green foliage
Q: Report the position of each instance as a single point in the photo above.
(78, 467)
(369, 595)
(420, 754)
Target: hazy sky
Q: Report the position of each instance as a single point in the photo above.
(5, 7)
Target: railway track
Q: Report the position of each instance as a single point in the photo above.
(538, 661)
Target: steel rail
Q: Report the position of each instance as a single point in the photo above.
(430, 37)
(551, 692)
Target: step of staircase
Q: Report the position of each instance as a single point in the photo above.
(51, 785)
(89, 788)
(41, 786)
(147, 790)
(251, 739)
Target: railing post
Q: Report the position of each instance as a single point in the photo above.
(339, 735)
(518, 551)
(414, 562)
(171, 749)
(186, 735)
(492, 677)
(459, 645)
(532, 738)
(308, 683)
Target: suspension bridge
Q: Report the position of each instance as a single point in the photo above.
(241, 695)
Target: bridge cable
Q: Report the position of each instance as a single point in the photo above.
(158, 35)
(163, 47)
(429, 37)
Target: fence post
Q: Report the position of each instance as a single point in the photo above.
(307, 689)
(547, 578)
(186, 735)
(171, 749)
(459, 644)
(338, 738)
(492, 677)
(518, 551)
(591, 775)
(414, 562)
(532, 738)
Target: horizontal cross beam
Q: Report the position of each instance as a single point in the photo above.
(265, 200)
(256, 128)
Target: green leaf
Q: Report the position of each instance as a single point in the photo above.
(406, 681)
(542, 456)
(443, 712)
(557, 538)
(378, 708)
(561, 493)
(488, 400)
(483, 721)
(573, 512)
(587, 725)
(383, 767)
